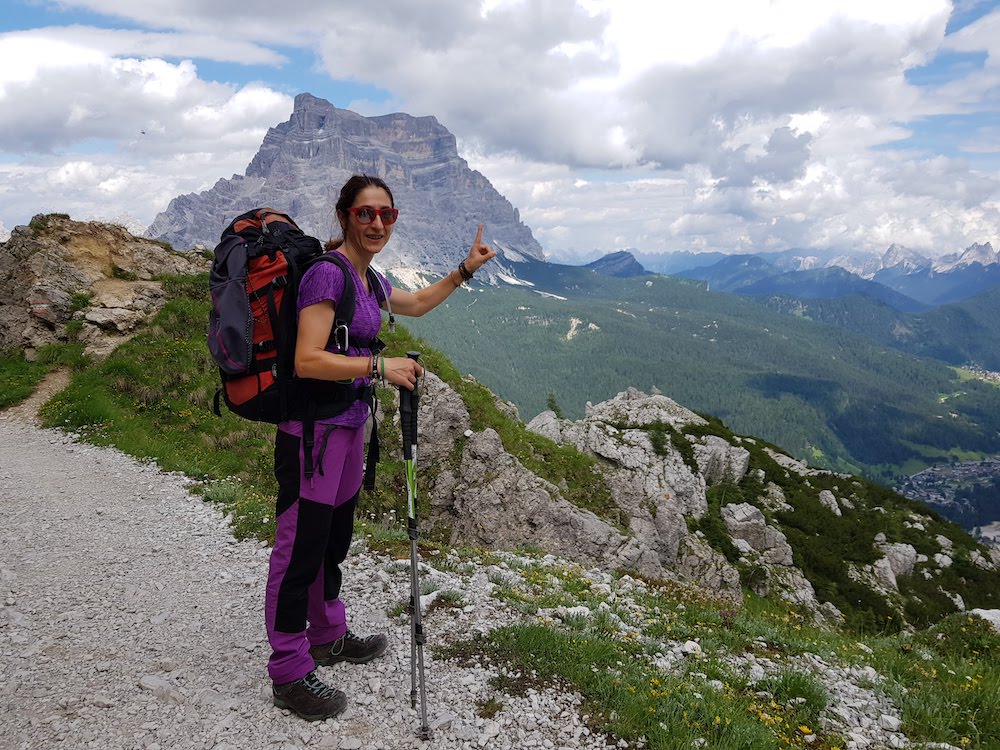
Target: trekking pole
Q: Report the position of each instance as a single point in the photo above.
(408, 420)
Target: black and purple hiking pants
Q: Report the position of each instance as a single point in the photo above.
(315, 521)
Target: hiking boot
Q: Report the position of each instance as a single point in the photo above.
(349, 648)
(310, 698)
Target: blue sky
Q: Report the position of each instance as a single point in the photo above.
(737, 126)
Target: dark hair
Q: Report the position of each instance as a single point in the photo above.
(349, 194)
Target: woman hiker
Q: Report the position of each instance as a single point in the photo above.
(315, 515)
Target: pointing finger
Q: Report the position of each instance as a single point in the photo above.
(479, 236)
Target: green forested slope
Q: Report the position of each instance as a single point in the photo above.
(960, 333)
(828, 394)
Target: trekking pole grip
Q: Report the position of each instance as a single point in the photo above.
(408, 401)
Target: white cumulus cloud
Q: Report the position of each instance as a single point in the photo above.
(722, 125)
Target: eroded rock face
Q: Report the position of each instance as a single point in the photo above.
(654, 486)
(766, 549)
(55, 270)
(489, 499)
(486, 497)
(303, 162)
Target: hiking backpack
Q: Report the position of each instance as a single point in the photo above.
(254, 282)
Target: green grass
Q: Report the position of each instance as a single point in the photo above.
(628, 699)
(946, 679)
(18, 377)
(610, 658)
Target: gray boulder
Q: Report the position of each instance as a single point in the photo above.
(829, 501)
(718, 460)
(745, 522)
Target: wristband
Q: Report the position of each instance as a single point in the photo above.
(465, 272)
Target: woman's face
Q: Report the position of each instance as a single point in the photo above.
(368, 239)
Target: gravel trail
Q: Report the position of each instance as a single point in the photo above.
(131, 618)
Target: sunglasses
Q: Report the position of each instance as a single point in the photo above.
(367, 214)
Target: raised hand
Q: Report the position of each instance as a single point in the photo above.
(479, 254)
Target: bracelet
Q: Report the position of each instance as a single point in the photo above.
(465, 272)
(381, 361)
(371, 367)
(451, 275)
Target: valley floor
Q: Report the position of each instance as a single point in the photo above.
(967, 492)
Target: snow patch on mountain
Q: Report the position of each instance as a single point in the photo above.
(512, 280)
(409, 278)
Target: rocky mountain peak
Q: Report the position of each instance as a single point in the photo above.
(622, 264)
(903, 258)
(984, 254)
(303, 162)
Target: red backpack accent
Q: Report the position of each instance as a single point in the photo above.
(254, 279)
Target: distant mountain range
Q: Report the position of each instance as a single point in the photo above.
(900, 278)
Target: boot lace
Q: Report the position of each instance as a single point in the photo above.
(341, 643)
(317, 687)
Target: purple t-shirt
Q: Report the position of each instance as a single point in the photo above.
(325, 281)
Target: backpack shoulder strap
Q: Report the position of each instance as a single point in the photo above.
(344, 312)
(345, 309)
(378, 283)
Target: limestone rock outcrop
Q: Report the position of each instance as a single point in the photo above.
(654, 486)
(746, 522)
(56, 270)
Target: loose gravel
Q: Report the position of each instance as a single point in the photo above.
(131, 618)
